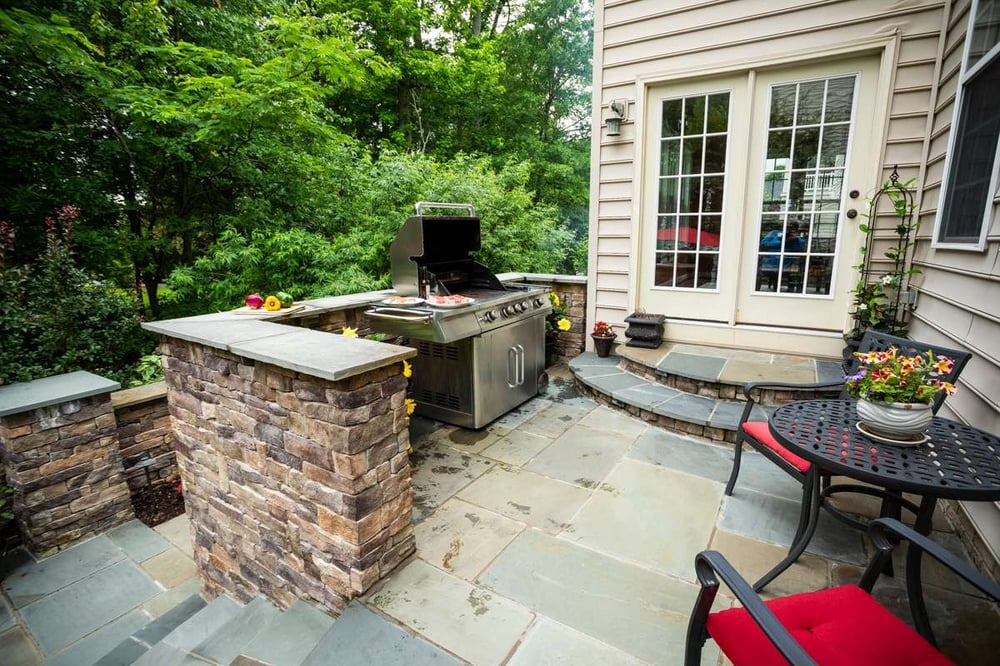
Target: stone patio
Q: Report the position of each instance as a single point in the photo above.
(563, 533)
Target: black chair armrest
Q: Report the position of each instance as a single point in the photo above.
(750, 386)
(708, 565)
(880, 529)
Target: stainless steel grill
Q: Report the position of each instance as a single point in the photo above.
(475, 361)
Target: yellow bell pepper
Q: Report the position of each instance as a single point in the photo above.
(271, 303)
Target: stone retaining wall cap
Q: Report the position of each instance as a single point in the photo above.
(17, 398)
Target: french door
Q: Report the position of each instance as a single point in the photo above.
(746, 217)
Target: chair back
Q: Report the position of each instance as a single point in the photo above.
(875, 341)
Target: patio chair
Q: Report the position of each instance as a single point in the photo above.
(839, 626)
(758, 435)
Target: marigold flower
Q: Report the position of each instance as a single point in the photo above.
(564, 324)
(554, 299)
(411, 405)
(407, 370)
(349, 332)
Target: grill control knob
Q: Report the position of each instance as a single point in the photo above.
(525, 305)
(488, 316)
(507, 310)
(538, 302)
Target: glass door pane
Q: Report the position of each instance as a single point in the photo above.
(809, 124)
(694, 139)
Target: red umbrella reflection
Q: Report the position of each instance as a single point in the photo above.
(690, 236)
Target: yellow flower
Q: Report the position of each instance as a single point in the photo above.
(411, 405)
(349, 332)
(564, 324)
(407, 370)
(554, 299)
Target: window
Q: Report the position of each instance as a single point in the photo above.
(974, 159)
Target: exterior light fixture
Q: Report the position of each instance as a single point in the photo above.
(613, 122)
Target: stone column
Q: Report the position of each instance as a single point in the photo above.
(59, 446)
(297, 486)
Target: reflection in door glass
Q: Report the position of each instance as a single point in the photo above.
(803, 178)
(693, 144)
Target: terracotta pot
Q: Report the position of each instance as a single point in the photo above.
(894, 419)
(602, 344)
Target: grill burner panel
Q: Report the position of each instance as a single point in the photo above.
(474, 362)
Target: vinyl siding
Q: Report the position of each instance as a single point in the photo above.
(641, 39)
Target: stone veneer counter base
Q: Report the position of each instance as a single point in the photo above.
(293, 448)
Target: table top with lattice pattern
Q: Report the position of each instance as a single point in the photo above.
(958, 461)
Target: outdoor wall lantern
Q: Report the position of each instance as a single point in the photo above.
(618, 108)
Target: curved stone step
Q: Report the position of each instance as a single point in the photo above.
(605, 380)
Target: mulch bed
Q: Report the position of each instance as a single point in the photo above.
(158, 504)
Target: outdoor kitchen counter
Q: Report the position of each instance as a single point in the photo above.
(262, 338)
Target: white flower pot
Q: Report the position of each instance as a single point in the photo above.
(895, 419)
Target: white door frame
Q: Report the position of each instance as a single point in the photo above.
(751, 336)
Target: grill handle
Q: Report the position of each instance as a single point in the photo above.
(400, 314)
(421, 205)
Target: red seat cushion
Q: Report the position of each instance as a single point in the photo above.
(841, 626)
(760, 432)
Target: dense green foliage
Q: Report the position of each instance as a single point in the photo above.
(55, 318)
(242, 145)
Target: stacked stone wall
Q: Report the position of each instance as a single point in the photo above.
(63, 463)
(573, 296)
(297, 487)
(145, 437)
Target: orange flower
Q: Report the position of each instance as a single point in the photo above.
(944, 365)
(882, 375)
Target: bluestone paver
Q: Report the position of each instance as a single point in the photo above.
(694, 366)
(613, 422)
(668, 449)
(170, 568)
(199, 626)
(138, 541)
(6, 616)
(476, 624)
(549, 642)
(616, 382)
(229, 640)
(471, 441)
(582, 456)
(738, 371)
(86, 605)
(34, 579)
(517, 416)
(360, 637)
(637, 516)
(527, 497)
(178, 532)
(439, 472)
(616, 602)
(158, 629)
(555, 420)
(517, 448)
(753, 558)
(462, 538)
(829, 371)
(290, 637)
(91, 649)
(726, 415)
(774, 519)
(17, 649)
(646, 396)
(687, 407)
(168, 599)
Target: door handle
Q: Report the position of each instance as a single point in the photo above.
(512, 367)
(520, 356)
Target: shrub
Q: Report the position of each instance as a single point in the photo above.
(57, 318)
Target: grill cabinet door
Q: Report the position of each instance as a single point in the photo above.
(509, 361)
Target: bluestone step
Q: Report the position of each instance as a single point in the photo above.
(361, 637)
(133, 647)
(226, 643)
(289, 639)
(175, 648)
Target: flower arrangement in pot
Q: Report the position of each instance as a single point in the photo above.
(895, 392)
(603, 335)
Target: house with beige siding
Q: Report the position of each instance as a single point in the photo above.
(746, 140)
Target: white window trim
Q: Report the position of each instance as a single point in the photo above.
(963, 79)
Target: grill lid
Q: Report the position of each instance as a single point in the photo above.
(436, 251)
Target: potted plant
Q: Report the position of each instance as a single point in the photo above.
(603, 336)
(644, 329)
(895, 392)
(555, 322)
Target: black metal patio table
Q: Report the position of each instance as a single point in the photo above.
(957, 462)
